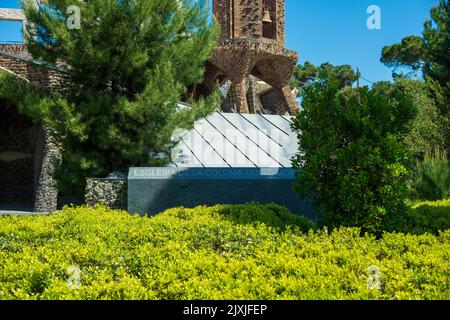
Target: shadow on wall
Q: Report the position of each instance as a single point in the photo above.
(20, 156)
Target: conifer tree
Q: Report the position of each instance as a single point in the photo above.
(128, 63)
(429, 52)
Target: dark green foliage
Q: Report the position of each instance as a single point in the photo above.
(427, 131)
(427, 140)
(436, 37)
(272, 215)
(428, 217)
(308, 73)
(46, 107)
(128, 67)
(351, 156)
(430, 52)
(410, 52)
(431, 180)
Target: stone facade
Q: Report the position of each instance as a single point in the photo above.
(46, 189)
(109, 192)
(244, 18)
(250, 47)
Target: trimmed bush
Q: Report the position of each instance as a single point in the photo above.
(430, 217)
(222, 252)
(272, 215)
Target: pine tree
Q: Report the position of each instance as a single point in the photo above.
(128, 64)
(429, 52)
(308, 73)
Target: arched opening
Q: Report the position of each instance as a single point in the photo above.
(17, 158)
(272, 102)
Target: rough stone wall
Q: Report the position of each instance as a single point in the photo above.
(243, 18)
(274, 62)
(280, 21)
(109, 192)
(239, 18)
(270, 29)
(247, 17)
(13, 48)
(258, 89)
(263, 98)
(222, 12)
(46, 199)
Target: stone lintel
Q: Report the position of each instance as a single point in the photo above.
(12, 15)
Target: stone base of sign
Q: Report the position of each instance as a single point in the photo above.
(108, 192)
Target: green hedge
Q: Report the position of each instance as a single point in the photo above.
(222, 252)
(429, 217)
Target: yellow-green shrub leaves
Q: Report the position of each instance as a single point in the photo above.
(211, 253)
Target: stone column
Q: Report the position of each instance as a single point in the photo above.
(240, 86)
(289, 100)
(46, 196)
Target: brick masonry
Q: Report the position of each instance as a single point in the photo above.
(248, 47)
(16, 59)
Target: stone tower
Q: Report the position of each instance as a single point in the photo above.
(251, 54)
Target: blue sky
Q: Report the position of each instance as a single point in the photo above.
(336, 31)
(330, 30)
